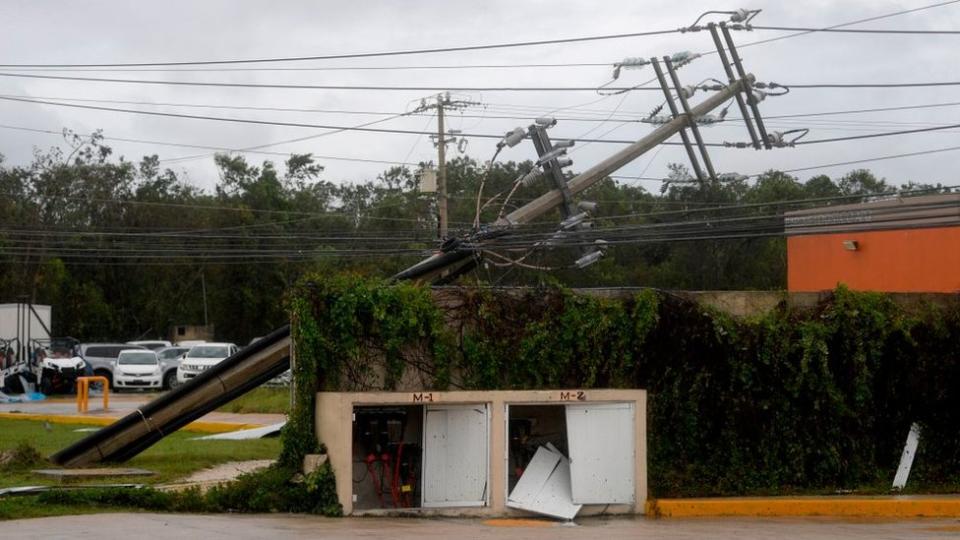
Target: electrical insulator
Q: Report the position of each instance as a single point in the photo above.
(757, 96)
(587, 206)
(688, 91)
(546, 121)
(551, 155)
(588, 259)
(732, 177)
(683, 58)
(740, 15)
(564, 144)
(513, 138)
(572, 221)
(634, 62)
(531, 177)
(708, 119)
(564, 163)
(775, 138)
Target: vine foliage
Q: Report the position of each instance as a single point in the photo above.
(788, 401)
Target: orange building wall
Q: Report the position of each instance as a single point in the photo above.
(916, 260)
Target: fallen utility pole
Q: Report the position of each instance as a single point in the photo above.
(458, 255)
(549, 200)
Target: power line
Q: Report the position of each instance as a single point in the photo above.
(324, 86)
(857, 30)
(827, 165)
(876, 135)
(873, 85)
(533, 111)
(360, 55)
(289, 124)
(207, 147)
(858, 111)
(324, 68)
(850, 23)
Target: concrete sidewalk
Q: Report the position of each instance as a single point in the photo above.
(234, 526)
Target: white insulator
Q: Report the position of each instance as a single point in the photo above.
(531, 177)
(688, 91)
(587, 206)
(564, 162)
(740, 15)
(634, 62)
(564, 144)
(551, 155)
(572, 221)
(513, 138)
(546, 121)
(588, 259)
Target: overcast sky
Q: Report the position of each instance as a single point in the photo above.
(106, 32)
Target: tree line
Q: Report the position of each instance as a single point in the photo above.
(124, 249)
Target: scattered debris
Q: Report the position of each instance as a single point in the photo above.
(544, 487)
(92, 473)
(244, 434)
(21, 398)
(33, 490)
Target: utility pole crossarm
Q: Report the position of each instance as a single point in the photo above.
(549, 200)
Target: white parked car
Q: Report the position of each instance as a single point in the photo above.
(137, 368)
(203, 357)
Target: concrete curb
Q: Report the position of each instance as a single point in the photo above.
(198, 426)
(876, 507)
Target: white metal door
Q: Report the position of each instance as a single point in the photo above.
(456, 450)
(602, 450)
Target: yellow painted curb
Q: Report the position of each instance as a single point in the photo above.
(199, 426)
(880, 507)
(518, 522)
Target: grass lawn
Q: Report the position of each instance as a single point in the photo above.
(261, 400)
(173, 458)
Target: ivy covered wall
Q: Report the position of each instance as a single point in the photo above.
(794, 400)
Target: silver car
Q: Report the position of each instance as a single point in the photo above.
(170, 358)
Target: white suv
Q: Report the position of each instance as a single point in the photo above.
(137, 368)
(202, 357)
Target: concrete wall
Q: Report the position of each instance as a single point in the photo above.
(742, 303)
(334, 427)
(910, 260)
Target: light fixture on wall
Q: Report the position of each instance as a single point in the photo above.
(851, 245)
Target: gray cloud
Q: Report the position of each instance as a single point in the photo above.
(60, 31)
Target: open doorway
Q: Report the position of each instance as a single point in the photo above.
(386, 457)
(563, 456)
(420, 456)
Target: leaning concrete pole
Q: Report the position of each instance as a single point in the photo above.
(549, 200)
(454, 253)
